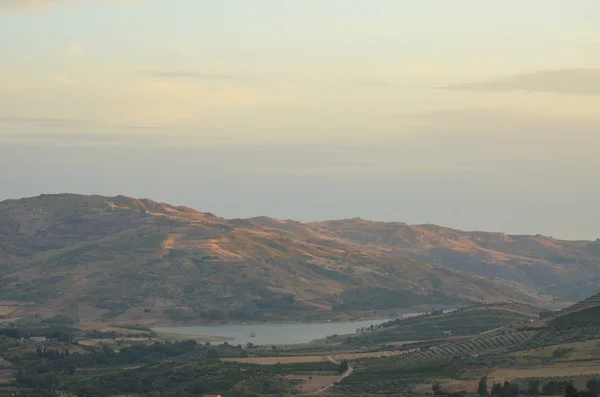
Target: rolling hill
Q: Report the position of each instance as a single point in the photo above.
(119, 259)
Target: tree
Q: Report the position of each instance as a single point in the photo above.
(213, 354)
(344, 366)
(505, 390)
(593, 386)
(533, 388)
(437, 389)
(553, 388)
(571, 390)
(497, 390)
(90, 391)
(482, 388)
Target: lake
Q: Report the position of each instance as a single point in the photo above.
(271, 334)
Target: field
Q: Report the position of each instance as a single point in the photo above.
(584, 350)
(460, 323)
(311, 384)
(314, 359)
(278, 360)
(557, 370)
(451, 385)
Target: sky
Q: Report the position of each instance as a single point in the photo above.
(471, 114)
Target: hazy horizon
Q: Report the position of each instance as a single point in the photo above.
(470, 115)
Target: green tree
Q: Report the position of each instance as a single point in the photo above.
(533, 388)
(571, 390)
(91, 391)
(497, 390)
(344, 366)
(593, 386)
(213, 354)
(482, 388)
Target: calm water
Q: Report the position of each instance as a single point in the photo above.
(272, 334)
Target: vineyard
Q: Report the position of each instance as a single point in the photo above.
(470, 348)
(400, 374)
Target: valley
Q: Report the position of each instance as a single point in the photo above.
(108, 296)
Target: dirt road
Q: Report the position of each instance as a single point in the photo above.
(344, 375)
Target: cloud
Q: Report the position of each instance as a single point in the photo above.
(73, 49)
(565, 81)
(24, 6)
(180, 74)
(583, 36)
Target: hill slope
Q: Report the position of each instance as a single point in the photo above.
(567, 270)
(121, 259)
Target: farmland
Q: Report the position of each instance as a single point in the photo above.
(500, 342)
(312, 359)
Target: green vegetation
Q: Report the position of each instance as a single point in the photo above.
(581, 318)
(187, 379)
(463, 322)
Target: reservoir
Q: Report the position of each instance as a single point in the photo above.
(271, 334)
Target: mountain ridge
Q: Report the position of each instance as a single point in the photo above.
(119, 259)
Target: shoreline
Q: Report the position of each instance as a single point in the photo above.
(282, 322)
(207, 334)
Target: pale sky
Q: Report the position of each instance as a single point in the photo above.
(466, 113)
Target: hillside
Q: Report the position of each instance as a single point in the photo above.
(569, 271)
(121, 259)
(438, 326)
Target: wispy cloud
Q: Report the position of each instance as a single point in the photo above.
(24, 6)
(565, 81)
(182, 74)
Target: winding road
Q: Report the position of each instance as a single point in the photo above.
(344, 375)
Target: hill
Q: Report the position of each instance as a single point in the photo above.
(569, 271)
(439, 326)
(120, 259)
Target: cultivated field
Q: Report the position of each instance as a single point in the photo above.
(313, 359)
(571, 351)
(566, 369)
(313, 383)
(451, 385)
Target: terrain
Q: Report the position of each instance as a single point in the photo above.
(124, 260)
(498, 350)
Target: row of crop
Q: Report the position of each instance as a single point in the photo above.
(476, 346)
